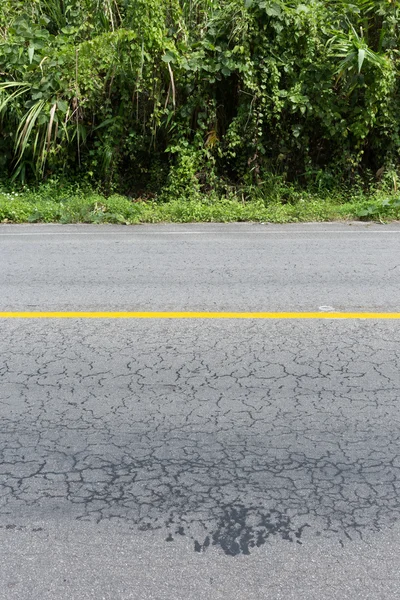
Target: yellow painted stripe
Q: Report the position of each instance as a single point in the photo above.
(198, 315)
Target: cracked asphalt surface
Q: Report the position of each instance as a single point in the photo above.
(200, 459)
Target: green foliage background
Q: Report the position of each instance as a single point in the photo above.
(179, 98)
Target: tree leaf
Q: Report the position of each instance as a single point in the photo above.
(31, 52)
(168, 57)
(361, 56)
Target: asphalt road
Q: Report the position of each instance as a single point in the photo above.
(200, 267)
(200, 459)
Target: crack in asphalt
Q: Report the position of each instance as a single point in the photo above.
(228, 433)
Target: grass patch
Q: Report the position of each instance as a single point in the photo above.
(72, 204)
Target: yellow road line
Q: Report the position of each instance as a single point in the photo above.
(198, 315)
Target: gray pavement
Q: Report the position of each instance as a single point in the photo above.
(200, 459)
(200, 267)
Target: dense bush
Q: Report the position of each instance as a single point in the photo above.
(181, 97)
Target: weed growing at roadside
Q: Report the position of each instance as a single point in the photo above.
(59, 202)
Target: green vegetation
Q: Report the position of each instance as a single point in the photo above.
(199, 110)
(54, 202)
